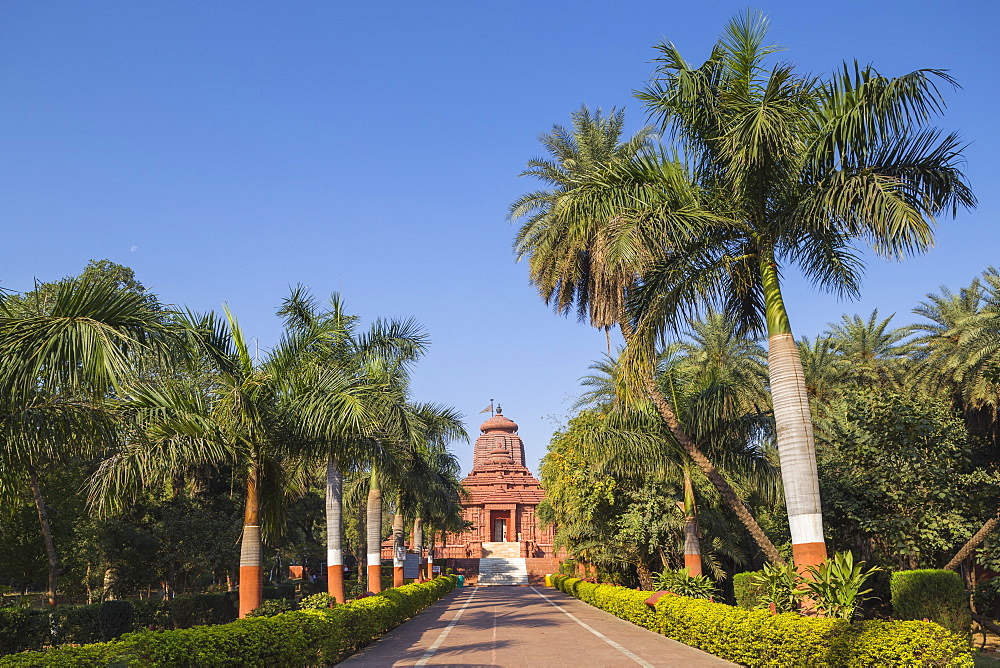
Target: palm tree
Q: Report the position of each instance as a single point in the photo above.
(872, 352)
(65, 351)
(341, 404)
(959, 356)
(717, 382)
(586, 250)
(429, 485)
(796, 170)
(823, 369)
(237, 419)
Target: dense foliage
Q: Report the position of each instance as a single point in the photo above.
(933, 594)
(25, 628)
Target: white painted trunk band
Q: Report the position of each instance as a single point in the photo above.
(250, 546)
(374, 558)
(806, 528)
(334, 557)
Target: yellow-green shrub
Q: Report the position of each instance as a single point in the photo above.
(293, 639)
(757, 638)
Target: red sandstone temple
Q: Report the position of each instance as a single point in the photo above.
(503, 499)
(505, 544)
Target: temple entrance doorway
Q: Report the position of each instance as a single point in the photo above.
(499, 520)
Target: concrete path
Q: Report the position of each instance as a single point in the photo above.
(523, 626)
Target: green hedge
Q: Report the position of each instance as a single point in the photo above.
(302, 638)
(937, 595)
(757, 638)
(747, 594)
(22, 629)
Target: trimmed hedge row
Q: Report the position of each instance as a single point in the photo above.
(933, 594)
(292, 639)
(757, 638)
(23, 628)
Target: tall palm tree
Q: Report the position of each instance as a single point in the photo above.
(429, 485)
(797, 171)
(65, 351)
(237, 418)
(342, 404)
(586, 250)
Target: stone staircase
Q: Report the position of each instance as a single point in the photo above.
(502, 571)
(502, 550)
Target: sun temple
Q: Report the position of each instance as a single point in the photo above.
(503, 495)
(505, 542)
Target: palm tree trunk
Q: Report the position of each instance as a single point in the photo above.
(418, 544)
(398, 543)
(362, 545)
(692, 543)
(973, 543)
(430, 556)
(50, 546)
(698, 457)
(645, 575)
(793, 422)
(374, 522)
(334, 530)
(251, 565)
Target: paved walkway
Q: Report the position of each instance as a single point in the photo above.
(524, 626)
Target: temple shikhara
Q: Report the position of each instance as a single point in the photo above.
(506, 543)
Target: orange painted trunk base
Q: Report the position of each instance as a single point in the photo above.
(251, 588)
(692, 562)
(397, 576)
(808, 554)
(374, 578)
(335, 582)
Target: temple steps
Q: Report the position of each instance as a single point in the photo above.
(502, 571)
(502, 550)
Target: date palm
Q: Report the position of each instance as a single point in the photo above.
(587, 244)
(872, 352)
(798, 171)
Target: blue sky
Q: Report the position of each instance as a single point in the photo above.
(226, 151)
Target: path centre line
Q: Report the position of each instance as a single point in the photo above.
(637, 659)
(444, 634)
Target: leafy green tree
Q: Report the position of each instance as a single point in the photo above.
(898, 483)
